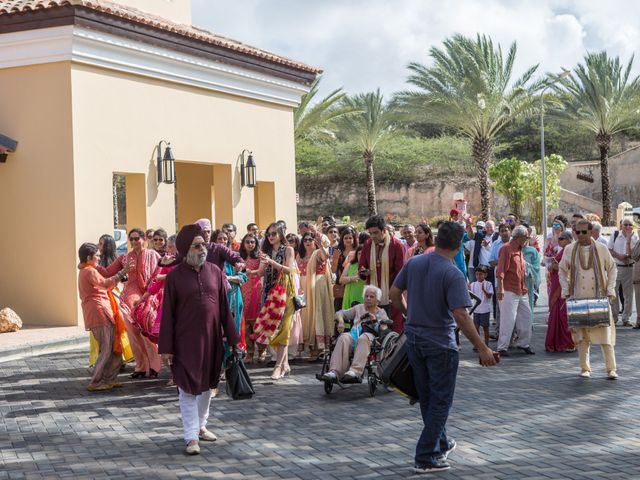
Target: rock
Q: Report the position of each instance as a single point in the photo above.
(9, 321)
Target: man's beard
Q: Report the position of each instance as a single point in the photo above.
(196, 259)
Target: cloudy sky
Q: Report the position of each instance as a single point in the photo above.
(366, 44)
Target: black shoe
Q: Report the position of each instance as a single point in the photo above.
(350, 378)
(138, 375)
(450, 447)
(493, 337)
(153, 373)
(438, 464)
(503, 353)
(527, 350)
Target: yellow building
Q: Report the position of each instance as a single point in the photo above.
(88, 89)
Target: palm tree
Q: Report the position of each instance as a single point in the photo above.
(599, 96)
(468, 88)
(311, 120)
(371, 121)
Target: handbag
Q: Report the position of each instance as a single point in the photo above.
(239, 385)
(299, 302)
(588, 313)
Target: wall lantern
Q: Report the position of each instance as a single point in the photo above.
(165, 164)
(248, 170)
(7, 146)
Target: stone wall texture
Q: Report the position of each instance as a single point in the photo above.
(428, 198)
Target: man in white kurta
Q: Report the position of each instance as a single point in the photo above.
(590, 273)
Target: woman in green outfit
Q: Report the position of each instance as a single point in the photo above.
(353, 285)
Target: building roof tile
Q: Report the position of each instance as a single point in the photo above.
(11, 7)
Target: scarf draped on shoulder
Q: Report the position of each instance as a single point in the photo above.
(382, 283)
(601, 287)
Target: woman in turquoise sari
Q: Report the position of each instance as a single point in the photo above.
(532, 259)
(235, 280)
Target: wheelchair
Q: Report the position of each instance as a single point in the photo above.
(379, 350)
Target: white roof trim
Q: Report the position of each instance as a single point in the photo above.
(108, 51)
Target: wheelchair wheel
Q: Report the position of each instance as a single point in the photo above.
(373, 384)
(328, 387)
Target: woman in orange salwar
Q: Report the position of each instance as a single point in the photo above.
(101, 316)
(143, 263)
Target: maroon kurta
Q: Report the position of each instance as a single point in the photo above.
(195, 317)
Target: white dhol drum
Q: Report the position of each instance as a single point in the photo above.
(588, 312)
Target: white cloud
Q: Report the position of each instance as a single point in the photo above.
(365, 44)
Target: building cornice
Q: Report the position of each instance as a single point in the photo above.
(93, 47)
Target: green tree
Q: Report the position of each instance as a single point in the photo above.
(509, 178)
(313, 120)
(371, 122)
(554, 166)
(600, 96)
(469, 88)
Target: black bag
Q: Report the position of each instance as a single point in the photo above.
(239, 386)
(395, 369)
(299, 302)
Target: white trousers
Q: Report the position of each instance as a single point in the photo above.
(194, 410)
(514, 312)
(624, 279)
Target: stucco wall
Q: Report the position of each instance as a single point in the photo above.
(119, 119)
(37, 218)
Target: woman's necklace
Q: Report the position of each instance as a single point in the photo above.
(589, 264)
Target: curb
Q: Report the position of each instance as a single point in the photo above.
(44, 348)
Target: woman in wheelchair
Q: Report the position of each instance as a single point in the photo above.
(368, 321)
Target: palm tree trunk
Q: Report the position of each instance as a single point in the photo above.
(481, 151)
(604, 143)
(372, 205)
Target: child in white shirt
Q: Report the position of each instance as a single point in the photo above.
(483, 290)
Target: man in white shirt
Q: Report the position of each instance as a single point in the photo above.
(620, 246)
(482, 257)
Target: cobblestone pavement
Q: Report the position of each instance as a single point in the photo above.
(531, 417)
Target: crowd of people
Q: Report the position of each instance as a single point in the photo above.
(198, 297)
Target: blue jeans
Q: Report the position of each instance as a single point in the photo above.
(434, 371)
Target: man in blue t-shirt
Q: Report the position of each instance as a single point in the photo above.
(437, 299)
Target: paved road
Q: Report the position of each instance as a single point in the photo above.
(530, 418)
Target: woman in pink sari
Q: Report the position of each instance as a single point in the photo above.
(143, 263)
(559, 337)
(148, 313)
(251, 293)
